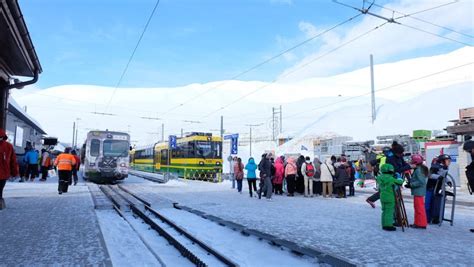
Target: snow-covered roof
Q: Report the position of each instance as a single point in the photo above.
(16, 109)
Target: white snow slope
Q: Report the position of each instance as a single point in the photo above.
(309, 106)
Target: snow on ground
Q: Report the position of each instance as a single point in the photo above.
(245, 251)
(41, 228)
(346, 227)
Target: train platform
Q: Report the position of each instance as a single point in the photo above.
(39, 227)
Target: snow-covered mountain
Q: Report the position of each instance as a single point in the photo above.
(313, 106)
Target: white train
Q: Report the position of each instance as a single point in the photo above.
(105, 156)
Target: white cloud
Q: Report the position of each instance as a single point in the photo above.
(285, 2)
(385, 43)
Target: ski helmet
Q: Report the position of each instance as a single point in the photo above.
(444, 157)
(387, 168)
(386, 150)
(416, 159)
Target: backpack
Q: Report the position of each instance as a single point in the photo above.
(309, 170)
(273, 170)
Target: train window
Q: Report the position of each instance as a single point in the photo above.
(164, 157)
(217, 150)
(95, 147)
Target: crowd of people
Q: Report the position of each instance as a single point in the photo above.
(287, 175)
(33, 164)
(335, 177)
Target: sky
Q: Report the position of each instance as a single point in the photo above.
(89, 42)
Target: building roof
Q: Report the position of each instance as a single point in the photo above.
(17, 53)
(14, 108)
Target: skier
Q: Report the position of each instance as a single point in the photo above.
(251, 167)
(65, 162)
(75, 169)
(418, 191)
(278, 178)
(290, 175)
(438, 171)
(386, 182)
(8, 164)
(307, 169)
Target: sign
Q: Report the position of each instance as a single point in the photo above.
(234, 145)
(229, 137)
(19, 136)
(172, 141)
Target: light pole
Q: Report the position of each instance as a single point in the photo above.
(252, 125)
(77, 131)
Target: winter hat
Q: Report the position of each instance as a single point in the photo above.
(397, 149)
(416, 159)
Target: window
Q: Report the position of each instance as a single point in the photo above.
(164, 157)
(115, 148)
(95, 147)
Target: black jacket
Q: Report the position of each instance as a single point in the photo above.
(398, 163)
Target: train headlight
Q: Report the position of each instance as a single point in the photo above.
(201, 162)
(218, 163)
(123, 165)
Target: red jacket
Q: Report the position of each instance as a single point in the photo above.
(8, 164)
(279, 171)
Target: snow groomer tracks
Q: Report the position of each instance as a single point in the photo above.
(195, 250)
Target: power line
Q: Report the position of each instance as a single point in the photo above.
(425, 21)
(392, 20)
(264, 62)
(132, 55)
(297, 69)
(384, 88)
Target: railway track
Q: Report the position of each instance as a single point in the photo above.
(193, 249)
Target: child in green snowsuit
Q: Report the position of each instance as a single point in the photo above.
(386, 181)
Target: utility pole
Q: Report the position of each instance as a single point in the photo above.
(372, 83)
(277, 120)
(222, 127)
(281, 120)
(162, 132)
(182, 133)
(252, 125)
(73, 133)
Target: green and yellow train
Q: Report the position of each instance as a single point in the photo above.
(197, 156)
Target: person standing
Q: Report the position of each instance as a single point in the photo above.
(65, 162)
(290, 175)
(31, 161)
(8, 164)
(239, 174)
(307, 169)
(279, 176)
(75, 169)
(251, 168)
(266, 175)
(386, 182)
(299, 177)
(327, 174)
(45, 164)
(317, 187)
(418, 191)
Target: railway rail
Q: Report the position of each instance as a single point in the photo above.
(188, 245)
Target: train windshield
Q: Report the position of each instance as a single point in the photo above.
(115, 148)
(208, 150)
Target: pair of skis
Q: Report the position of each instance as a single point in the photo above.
(400, 211)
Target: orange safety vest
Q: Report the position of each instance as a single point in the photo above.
(65, 162)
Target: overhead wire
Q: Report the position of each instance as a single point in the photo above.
(296, 69)
(256, 66)
(132, 55)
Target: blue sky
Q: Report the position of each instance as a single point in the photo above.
(89, 42)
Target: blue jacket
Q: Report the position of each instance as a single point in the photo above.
(251, 168)
(31, 157)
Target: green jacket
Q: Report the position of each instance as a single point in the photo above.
(386, 181)
(418, 183)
